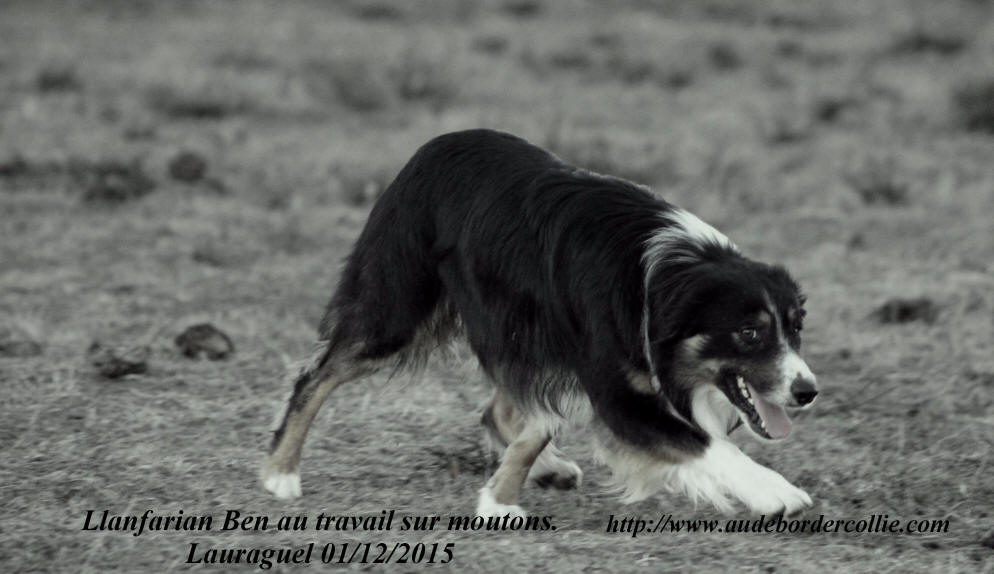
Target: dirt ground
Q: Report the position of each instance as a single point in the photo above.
(164, 164)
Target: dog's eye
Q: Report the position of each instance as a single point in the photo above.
(749, 334)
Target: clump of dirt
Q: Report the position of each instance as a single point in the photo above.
(15, 343)
(920, 40)
(114, 362)
(188, 167)
(18, 172)
(58, 78)
(15, 166)
(196, 104)
(112, 181)
(899, 310)
(205, 340)
(988, 542)
(973, 102)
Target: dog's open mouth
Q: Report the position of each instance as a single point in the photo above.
(766, 419)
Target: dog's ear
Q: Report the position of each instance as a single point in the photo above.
(666, 320)
(674, 296)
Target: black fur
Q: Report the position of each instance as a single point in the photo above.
(544, 266)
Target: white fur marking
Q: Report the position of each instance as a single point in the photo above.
(721, 475)
(793, 366)
(724, 472)
(283, 485)
(488, 507)
(571, 408)
(696, 229)
(712, 410)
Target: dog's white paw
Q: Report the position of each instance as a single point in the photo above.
(488, 507)
(769, 493)
(283, 485)
(553, 471)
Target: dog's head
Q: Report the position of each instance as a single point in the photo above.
(721, 319)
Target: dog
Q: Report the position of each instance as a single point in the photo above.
(584, 298)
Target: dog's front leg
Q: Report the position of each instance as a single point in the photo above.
(500, 495)
(724, 471)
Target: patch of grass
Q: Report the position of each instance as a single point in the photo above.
(244, 61)
(361, 187)
(634, 70)
(783, 19)
(831, 109)
(569, 60)
(291, 238)
(378, 12)
(355, 84)
(901, 310)
(613, 65)
(920, 40)
(15, 167)
(599, 154)
(58, 78)
(140, 131)
(490, 44)
(877, 182)
(784, 127)
(112, 181)
(425, 81)
(730, 11)
(18, 342)
(605, 40)
(368, 88)
(973, 104)
(108, 180)
(196, 104)
(523, 9)
(724, 57)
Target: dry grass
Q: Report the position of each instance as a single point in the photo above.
(765, 118)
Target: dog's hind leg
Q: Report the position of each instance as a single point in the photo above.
(280, 473)
(503, 422)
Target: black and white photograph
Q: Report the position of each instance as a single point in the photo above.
(497, 285)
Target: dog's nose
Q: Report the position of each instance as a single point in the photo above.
(804, 390)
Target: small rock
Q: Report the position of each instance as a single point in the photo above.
(188, 167)
(907, 310)
(114, 363)
(206, 340)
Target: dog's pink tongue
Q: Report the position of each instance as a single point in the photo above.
(777, 422)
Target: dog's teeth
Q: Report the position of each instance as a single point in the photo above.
(751, 402)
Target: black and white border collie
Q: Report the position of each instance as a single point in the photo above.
(583, 296)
